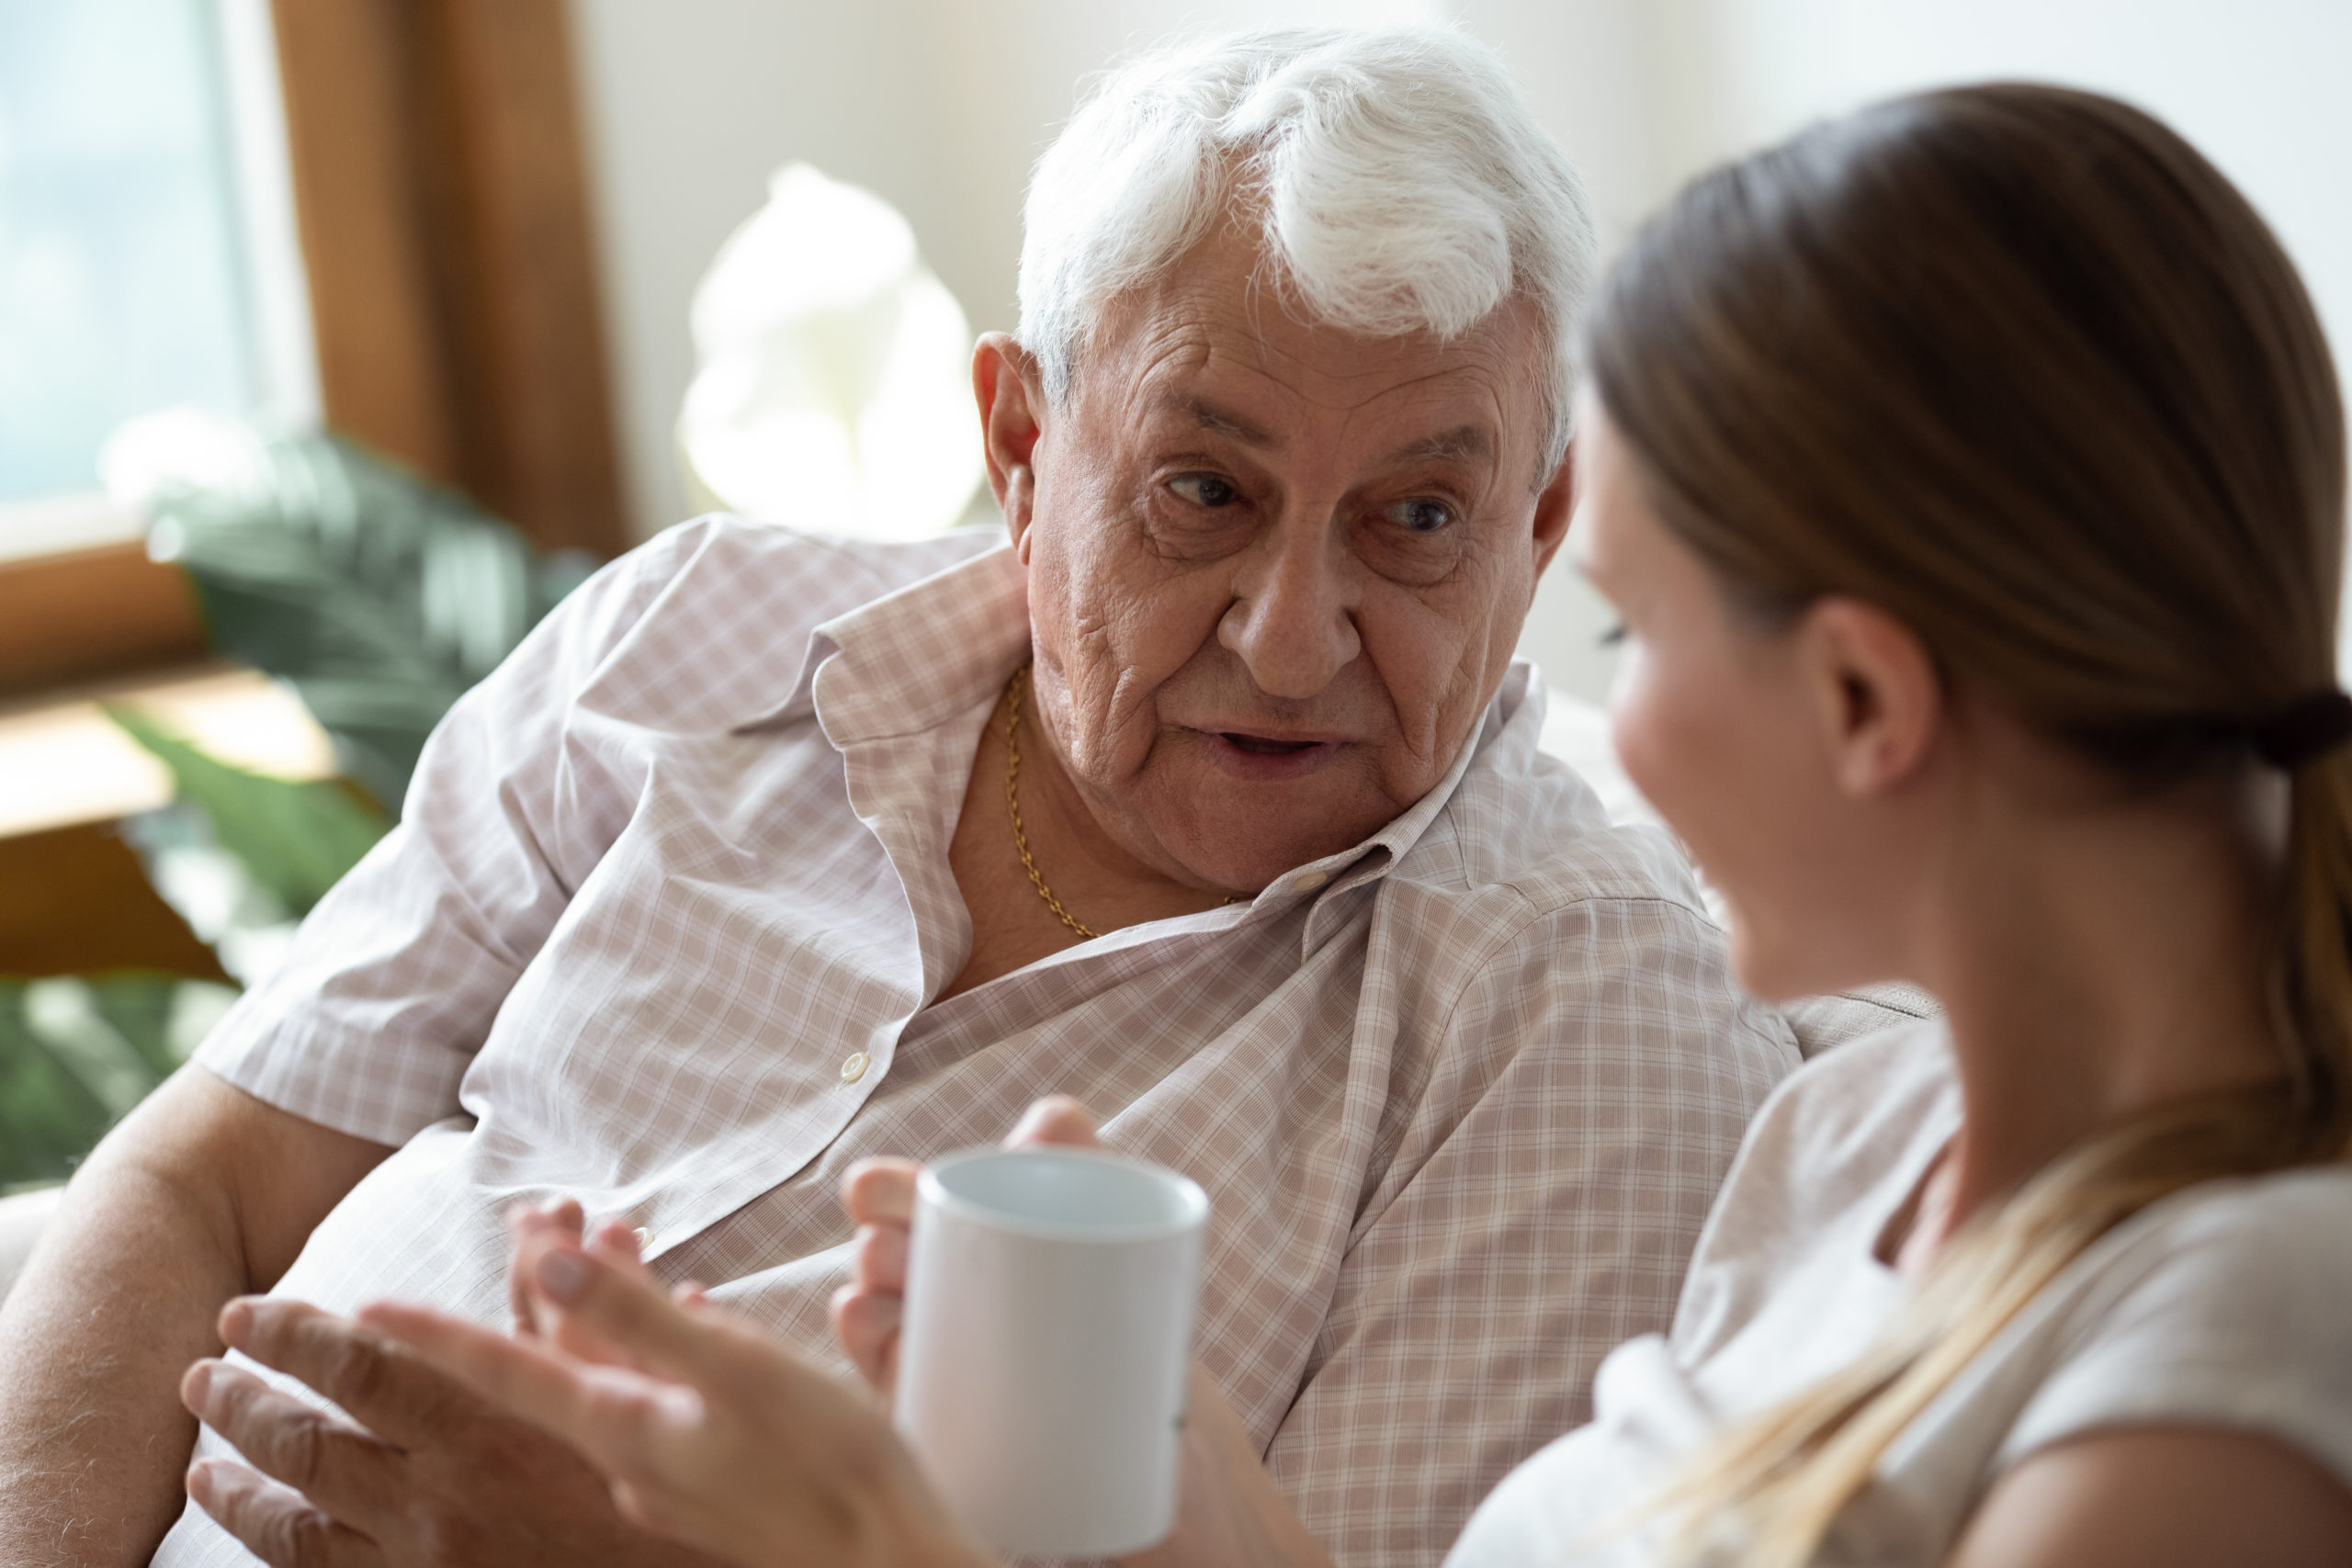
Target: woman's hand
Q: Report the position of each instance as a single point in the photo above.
(1229, 1511)
(537, 1318)
(880, 1197)
(708, 1430)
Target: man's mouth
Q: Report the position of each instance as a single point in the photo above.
(1265, 745)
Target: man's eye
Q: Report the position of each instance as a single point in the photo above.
(1420, 516)
(1205, 489)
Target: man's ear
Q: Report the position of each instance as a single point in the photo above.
(1879, 698)
(1012, 418)
(1554, 504)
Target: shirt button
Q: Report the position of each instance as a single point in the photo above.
(854, 1068)
(1307, 882)
(644, 1241)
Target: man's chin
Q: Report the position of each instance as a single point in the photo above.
(1247, 844)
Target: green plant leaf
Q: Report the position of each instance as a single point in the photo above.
(76, 1054)
(378, 597)
(49, 1118)
(294, 839)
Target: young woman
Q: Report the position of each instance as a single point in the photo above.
(1969, 474)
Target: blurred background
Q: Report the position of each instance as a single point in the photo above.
(339, 338)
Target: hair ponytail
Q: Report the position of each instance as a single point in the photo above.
(2314, 978)
(2019, 366)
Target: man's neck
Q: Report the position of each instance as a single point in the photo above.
(1101, 885)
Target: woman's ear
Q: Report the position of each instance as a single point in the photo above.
(1012, 404)
(1878, 698)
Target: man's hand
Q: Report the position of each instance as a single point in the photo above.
(709, 1429)
(429, 1474)
(880, 1197)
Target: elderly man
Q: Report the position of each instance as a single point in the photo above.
(1212, 798)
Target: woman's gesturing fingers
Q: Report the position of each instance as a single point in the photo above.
(649, 1431)
(725, 1441)
(565, 1219)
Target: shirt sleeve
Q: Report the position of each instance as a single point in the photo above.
(1538, 1209)
(2227, 1311)
(393, 979)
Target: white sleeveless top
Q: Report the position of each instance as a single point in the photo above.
(2227, 1305)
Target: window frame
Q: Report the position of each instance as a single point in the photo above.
(441, 201)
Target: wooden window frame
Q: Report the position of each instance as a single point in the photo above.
(441, 197)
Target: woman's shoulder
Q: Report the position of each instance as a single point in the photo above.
(1839, 1127)
(2225, 1305)
(2299, 1218)
(1834, 1150)
(2258, 1265)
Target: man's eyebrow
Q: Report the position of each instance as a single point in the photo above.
(1224, 421)
(1464, 443)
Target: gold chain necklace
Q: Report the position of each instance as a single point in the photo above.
(1012, 803)
(1012, 807)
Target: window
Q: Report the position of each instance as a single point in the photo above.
(436, 300)
(146, 244)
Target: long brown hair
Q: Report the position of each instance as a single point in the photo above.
(2019, 366)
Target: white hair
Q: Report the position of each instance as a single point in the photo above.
(1396, 177)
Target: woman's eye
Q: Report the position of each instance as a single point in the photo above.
(1420, 516)
(1205, 489)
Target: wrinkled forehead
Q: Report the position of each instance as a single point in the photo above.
(1218, 332)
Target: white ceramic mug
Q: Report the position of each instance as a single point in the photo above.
(1047, 1335)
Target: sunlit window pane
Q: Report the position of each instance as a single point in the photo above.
(122, 287)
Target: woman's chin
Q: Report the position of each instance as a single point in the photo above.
(1772, 961)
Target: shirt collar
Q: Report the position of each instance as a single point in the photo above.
(915, 657)
(1377, 854)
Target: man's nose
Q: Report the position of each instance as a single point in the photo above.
(1292, 616)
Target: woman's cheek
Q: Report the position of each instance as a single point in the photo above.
(1670, 736)
(1642, 724)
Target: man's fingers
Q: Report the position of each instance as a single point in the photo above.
(520, 1376)
(336, 1466)
(881, 1191)
(879, 1261)
(867, 1326)
(612, 1415)
(395, 1394)
(1056, 1119)
(274, 1522)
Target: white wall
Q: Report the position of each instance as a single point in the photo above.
(942, 104)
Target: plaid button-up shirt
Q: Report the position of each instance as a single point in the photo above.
(661, 929)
